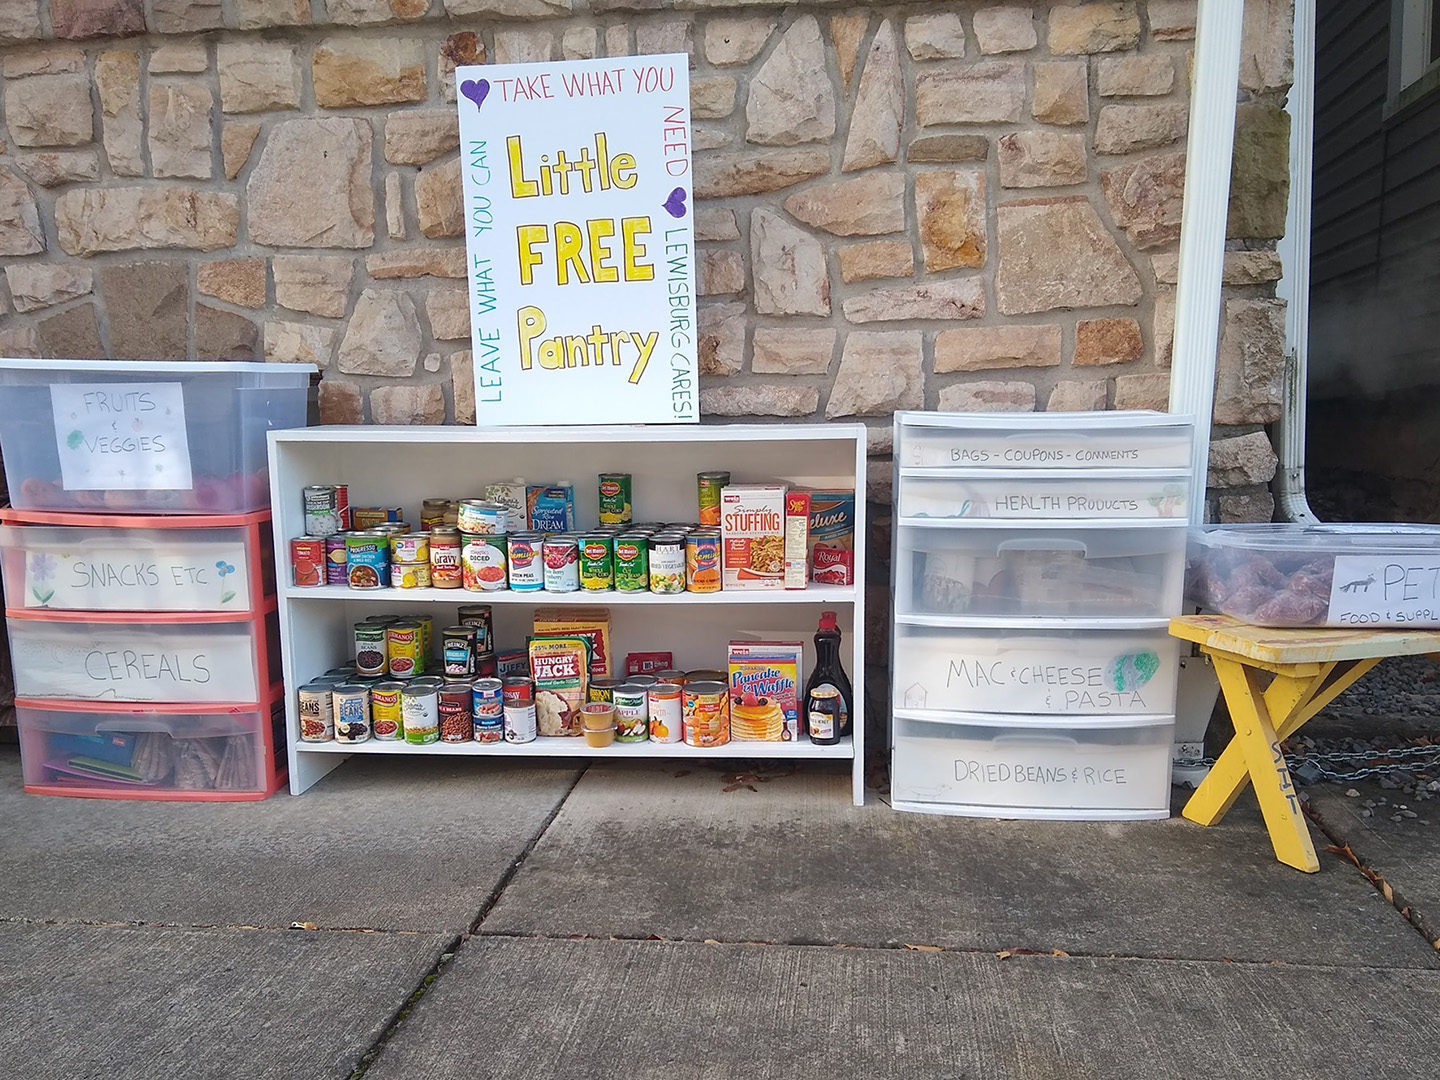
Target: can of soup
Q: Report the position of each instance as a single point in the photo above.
(317, 712)
(337, 569)
(488, 704)
(385, 719)
(420, 712)
(367, 559)
(322, 510)
(307, 561)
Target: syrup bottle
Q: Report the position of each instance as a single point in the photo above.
(830, 678)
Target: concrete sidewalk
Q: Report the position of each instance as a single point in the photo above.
(428, 919)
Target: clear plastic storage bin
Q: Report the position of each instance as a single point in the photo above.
(1077, 672)
(1054, 495)
(1006, 766)
(1088, 570)
(1111, 440)
(137, 437)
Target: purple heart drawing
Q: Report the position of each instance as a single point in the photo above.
(675, 204)
(476, 90)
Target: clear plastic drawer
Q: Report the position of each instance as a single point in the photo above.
(1052, 495)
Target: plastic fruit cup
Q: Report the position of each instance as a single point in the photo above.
(598, 719)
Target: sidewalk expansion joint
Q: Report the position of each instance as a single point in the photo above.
(147, 924)
(402, 1013)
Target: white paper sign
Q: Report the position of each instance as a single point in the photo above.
(121, 436)
(1376, 590)
(106, 576)
(580, 241)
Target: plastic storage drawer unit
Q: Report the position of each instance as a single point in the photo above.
(1075, 672)
(1053, 495)
(1112, 767)
(1112, 440)
(118, 436)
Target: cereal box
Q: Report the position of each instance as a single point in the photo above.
(765, 690)
(590, 623)
(559, 667)
(832, 537)
(752, 528)
(797, 539)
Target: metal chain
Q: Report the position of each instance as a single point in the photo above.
(1312, 766)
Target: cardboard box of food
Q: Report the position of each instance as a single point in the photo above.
(765, 687)
(591, 623)
(752, 536)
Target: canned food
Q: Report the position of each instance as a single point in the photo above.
(432, 681)
(527, 567)
(445, 558)
(410, 547)
(420, 712)
(632, 713)
(702, 562)
(337, 570)
(352, 712)
(489, 710)
(671, 675)
(322, 510)
(597, 571)
(706, 675)
(410, 575)
(666, 712)
(370, 656)
(427, 634)
(342, 506)
(632, 573)
(705, 714)
(457, 644)
(602, 689)
(367, 560)
(386, 722)
(486, 667)
(615, 506)
(307, 561)
(562, 564)
(405, 649)
(483, 562)
(642, 680)
(317, 711)
(518, 695)
(667, 564)
(708, 487)
(477, 516)
(456, 715)
(478, 617)
(433, 513)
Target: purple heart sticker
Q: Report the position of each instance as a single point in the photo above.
(675, 204)
(476, 90)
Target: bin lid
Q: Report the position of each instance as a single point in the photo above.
(159, 367)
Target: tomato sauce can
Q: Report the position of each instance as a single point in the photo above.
(705, 714)
(457, 651)
(527, 565)
(561, 555)
(370, 650)
(632, 563)
(367, 559)
(708, 486)
(666, 706)
(702, 562)
(615, 504)
(480, 617)
(488, 704)
(483, 562)
(597, 567)
(385, 720)
(445, 558)
(352, 712)
(518, 695)
(456, 712)
(420, 713)
(317, 712)
(405, 649)
(307, 561)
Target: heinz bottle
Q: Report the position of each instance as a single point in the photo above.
(830, 680)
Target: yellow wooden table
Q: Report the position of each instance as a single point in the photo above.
(1309, 667)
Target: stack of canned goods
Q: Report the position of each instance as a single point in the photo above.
(667, 707)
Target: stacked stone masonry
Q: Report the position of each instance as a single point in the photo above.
(927, 205)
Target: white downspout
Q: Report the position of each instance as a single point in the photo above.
(1208, 151)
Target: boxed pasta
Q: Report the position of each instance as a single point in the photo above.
(752, 534)
(590, 623)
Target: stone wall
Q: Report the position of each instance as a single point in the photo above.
(933, 205)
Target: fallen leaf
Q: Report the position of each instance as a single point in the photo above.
(1004, 954)
(926, 948)
(303, 926)
(1058, 952)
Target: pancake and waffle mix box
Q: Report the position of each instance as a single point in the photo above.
(752, 528)
(765, 689)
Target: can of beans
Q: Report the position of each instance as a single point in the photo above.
(370, 652)
(702, 561)
(322, 511)
(385, 720)
(456, 717)
(632, 564)
(410, 547)
(527, 567)
(708, 486)
(615, 505)
(518, 695)
(307, 561)
(705, 714)
(483, 562)
(478, 516)
(405, 649)
(480, 618)
(445, 558)
(597, 570)
(337, 570)
(352, 712)
(666, 712)
(489, 710)
(457, 651)
(632, 713)
(367, 559)
(410, 575)
(420, 712)
(667, 563)
(561, 555)
(317, 712)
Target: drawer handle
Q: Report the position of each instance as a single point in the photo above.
(1041, 543)
(1034, 740)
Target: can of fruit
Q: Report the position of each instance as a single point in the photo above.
(483, 562)
(420, 712)
(708, 486)
(597, 571)
(370, 657)
(561, 555)
(307, 561)
(352, 712)
(671, 675)
(615, 505)
(317, 712)
(385, 719)
(602, 689)
(322, 510)
(666, 712)
(337, 571)
(405, 649)
(457, 644)
(456, 717)
(478, 516)
(488, 703)
(667, 563)
(705, 714)
(632, 713)
(632, 564)
(445, 558)
(479, 617)
(410, 547)
(527, 567)
(367, 559)
(518, 695)
(409, 575)
(702, 561)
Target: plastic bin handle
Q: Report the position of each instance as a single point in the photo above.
(1042, 543)
(1034, 740)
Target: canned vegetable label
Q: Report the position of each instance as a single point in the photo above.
(667, 565)
(632, 567)
(483, 563)
(527, 568)
(615, 506)
(419, 710)
(597, 573)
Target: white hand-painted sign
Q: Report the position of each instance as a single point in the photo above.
(121, 436)
(1376, 590)
(174, 574)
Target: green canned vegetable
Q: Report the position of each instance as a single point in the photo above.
(615, 507)
(632, 564)
(597, 568)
